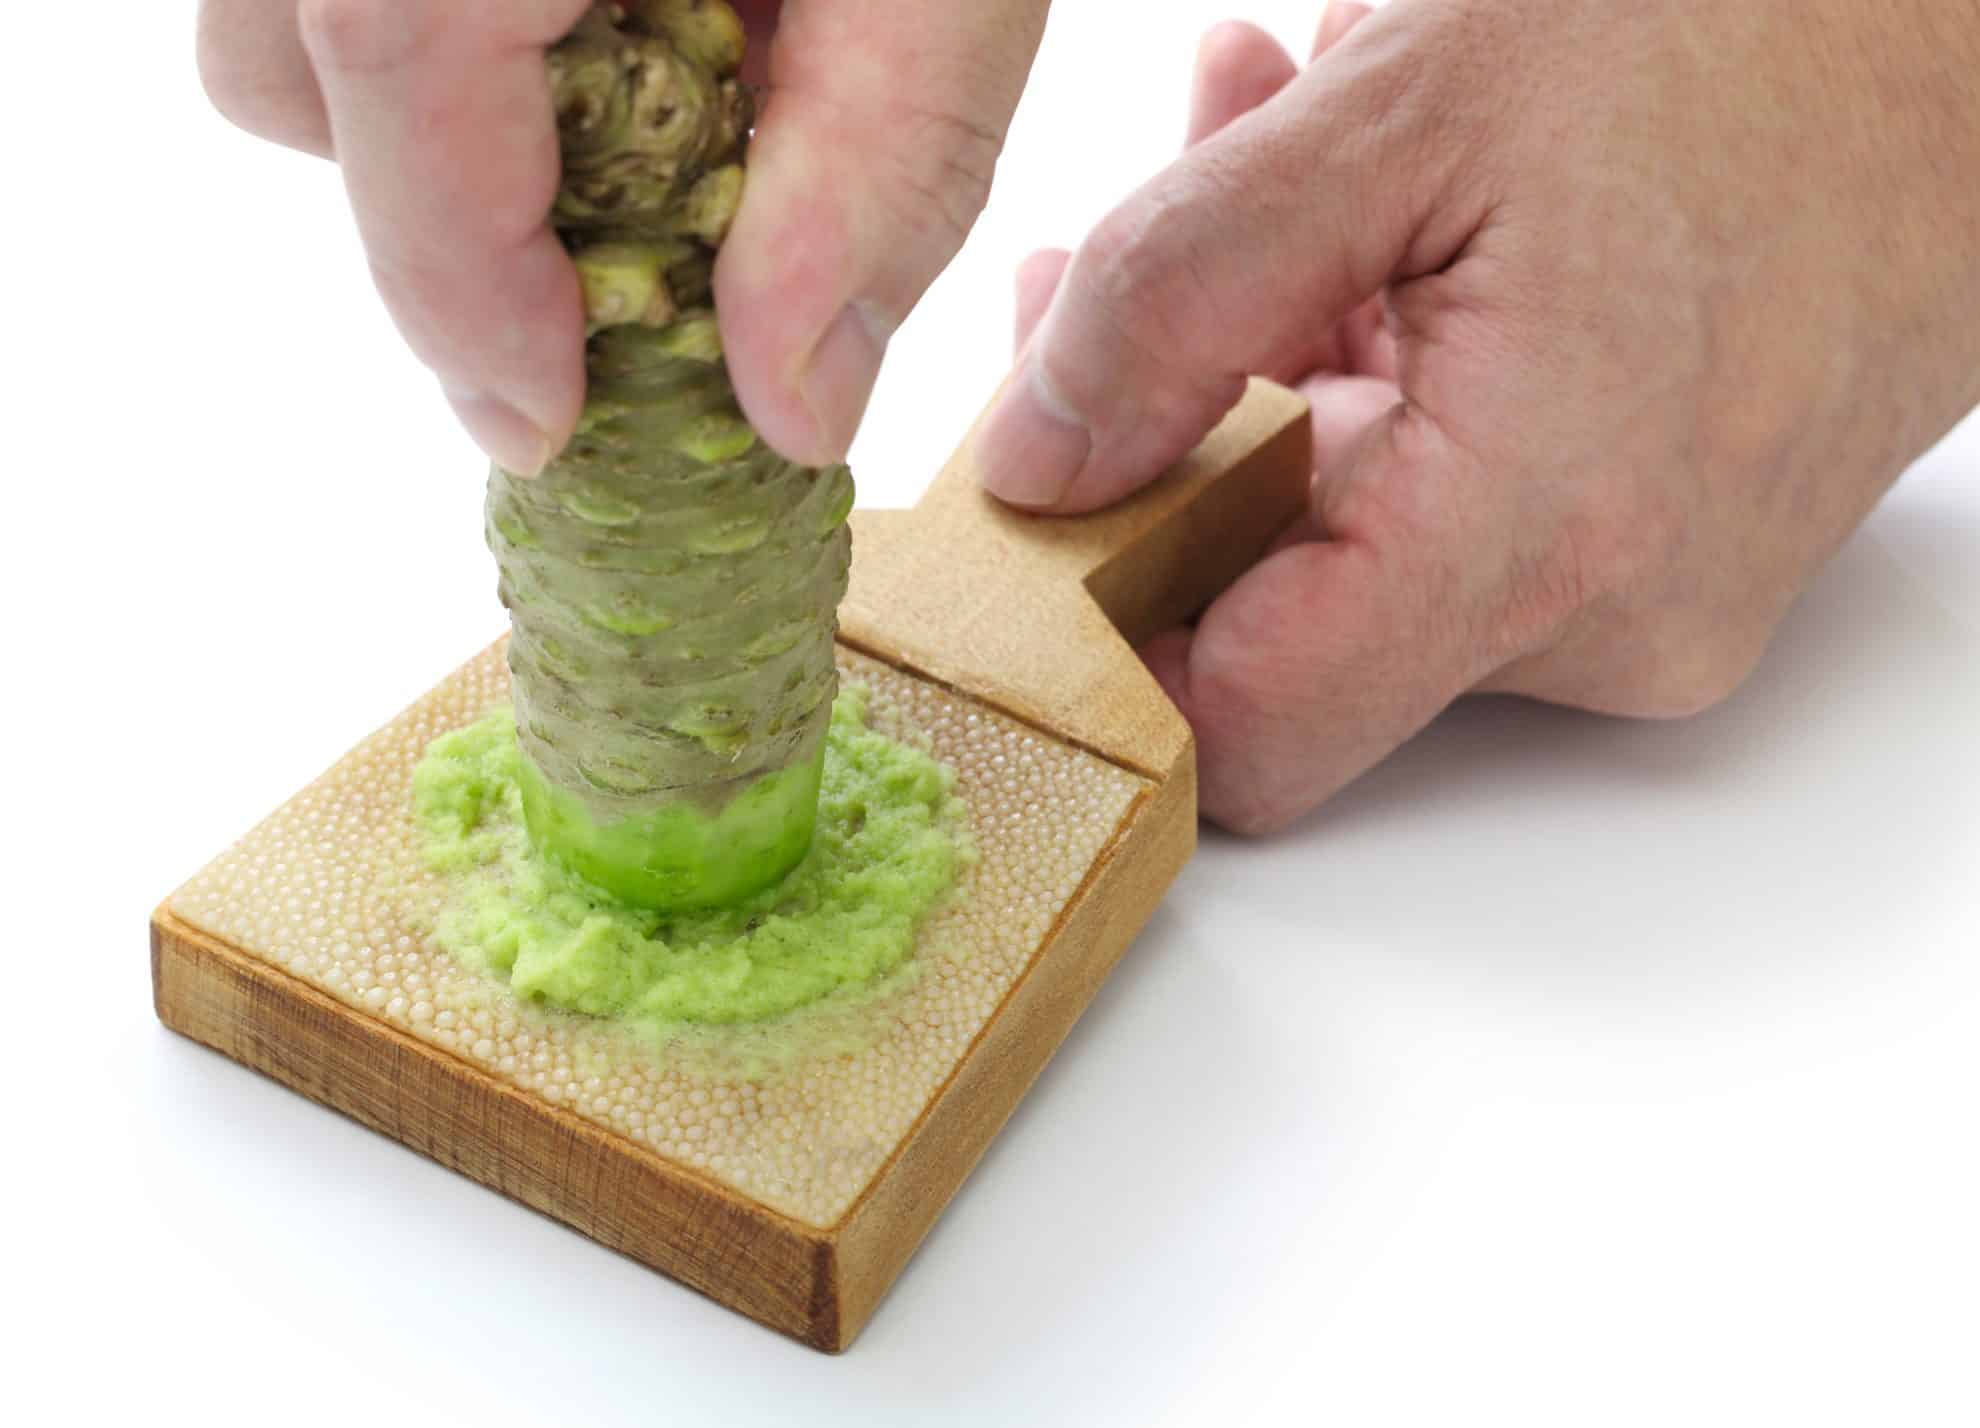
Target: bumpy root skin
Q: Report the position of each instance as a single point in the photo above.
(672, 582)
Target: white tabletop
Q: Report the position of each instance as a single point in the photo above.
(1592, 1071)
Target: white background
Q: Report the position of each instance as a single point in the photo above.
(1564, 1072)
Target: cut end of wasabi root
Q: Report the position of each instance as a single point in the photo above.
(677, 855)
(890, 840)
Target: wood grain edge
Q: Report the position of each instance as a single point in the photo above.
(884, 1227)
(820, 1286)
(744, 1255)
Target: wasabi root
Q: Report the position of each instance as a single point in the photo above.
(672, 582)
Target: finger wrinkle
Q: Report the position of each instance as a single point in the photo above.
(1153, 290)
(366, 37)
(958, 186)
(941, 157)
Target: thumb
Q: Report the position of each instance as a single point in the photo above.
(1240, 258)
(871, 160)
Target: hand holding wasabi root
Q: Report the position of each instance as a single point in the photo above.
(1617, 319)
(873, 152)
(673, 580)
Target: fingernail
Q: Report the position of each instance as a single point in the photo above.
(511, 440)
(838, 378)
(1033, 445)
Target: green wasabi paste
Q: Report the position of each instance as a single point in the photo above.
(890, 838)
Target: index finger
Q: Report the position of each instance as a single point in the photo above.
(441, 119)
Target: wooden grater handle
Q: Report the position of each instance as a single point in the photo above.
(1039, 614)
(1162, 555)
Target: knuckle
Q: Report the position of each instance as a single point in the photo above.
(1698, 671)
(1242, 798)
(1598, 557)
(363, 36)
(1661, 667)
(1583, 564)
(1255, 715)
(429, 315)
(1225, 51)
(236, 81)
(1422, 101)
(1247, 814)
(494, 326)
(1545, 592)
(227, 86)
(1752, 429)
(1146, 284)
(946, 167)
(1130, 264)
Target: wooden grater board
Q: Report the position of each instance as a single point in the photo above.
(962, 615)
